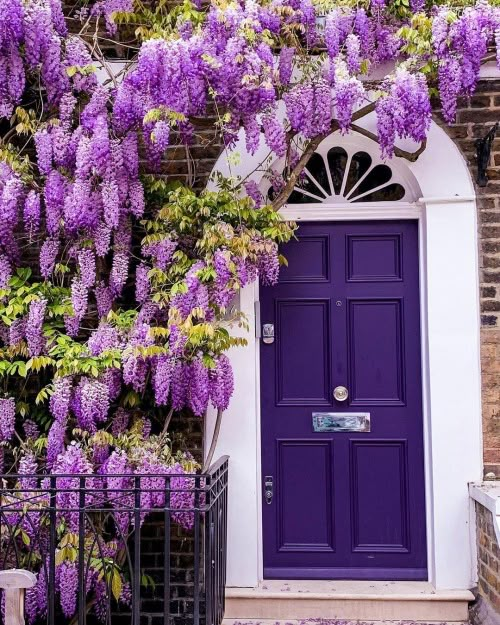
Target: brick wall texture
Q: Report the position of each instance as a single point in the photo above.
(488, 553)
(475, 117)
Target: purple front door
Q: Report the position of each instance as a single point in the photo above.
(344, 504)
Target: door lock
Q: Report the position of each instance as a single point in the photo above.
(268, 489)
(268, 333)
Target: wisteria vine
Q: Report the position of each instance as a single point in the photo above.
(116, 286)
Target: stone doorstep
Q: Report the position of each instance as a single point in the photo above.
(364, 601)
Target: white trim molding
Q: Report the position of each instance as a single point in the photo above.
(350, 212)
(450, 355)
(453, 199)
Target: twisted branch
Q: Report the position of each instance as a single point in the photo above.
(213, 445)
(311, 147)
(409, 156)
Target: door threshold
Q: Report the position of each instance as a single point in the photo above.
(363, 589)
(347, 600)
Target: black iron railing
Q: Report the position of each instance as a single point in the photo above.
(138, 548)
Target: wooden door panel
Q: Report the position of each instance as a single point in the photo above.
(305, 505)
(374, 258)
(303, 347)
(376, 352)
(346, 505)
(308, 260)
(379, 496)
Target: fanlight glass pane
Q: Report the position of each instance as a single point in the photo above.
(380, 174)
(390, 193)
(360, 164)
(337, 161)
(317, 169)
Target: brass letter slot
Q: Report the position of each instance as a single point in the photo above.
(341, 421)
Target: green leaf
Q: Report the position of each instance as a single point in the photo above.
(116, 584)
(21, 369)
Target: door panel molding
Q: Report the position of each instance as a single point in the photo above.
(392, 258)
(286, 363)
(324, 507)
(319, 247)
(398, 361)
(385, 489)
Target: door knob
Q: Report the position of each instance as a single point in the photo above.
(340, 393)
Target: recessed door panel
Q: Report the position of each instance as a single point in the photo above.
(379, 496)
(303, 340)
(305, 521)
(347, 502)
(376, 363)
(307, 258)
(373, 258)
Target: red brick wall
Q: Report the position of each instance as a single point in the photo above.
(488, 555)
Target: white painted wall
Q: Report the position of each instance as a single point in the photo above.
(450, 357)
(239, 438)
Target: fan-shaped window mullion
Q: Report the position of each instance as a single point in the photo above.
(312, 180)
(360, 163)
(308, 182)
(346, 175)
(332, 176)
(393, 192)
(353, 190)
(309, 194)
(316, 183)
(299, 198)
(329, 175)
(370, 191)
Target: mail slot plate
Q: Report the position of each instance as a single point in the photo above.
(341, 421)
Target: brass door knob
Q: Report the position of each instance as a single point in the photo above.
(340, 393)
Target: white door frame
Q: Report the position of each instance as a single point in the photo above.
(449, 292)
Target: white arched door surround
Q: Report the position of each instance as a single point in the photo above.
(440, 194)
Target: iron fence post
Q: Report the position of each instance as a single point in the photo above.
(208, 560)
(81, 553)
(166, 554)
(137, 552)
(51, 589)
(196, 576)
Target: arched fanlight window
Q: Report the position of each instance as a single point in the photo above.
(350, 173)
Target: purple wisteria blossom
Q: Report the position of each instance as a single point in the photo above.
(7, 418)
(60, 399)
(48, 256)
(34, 323)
